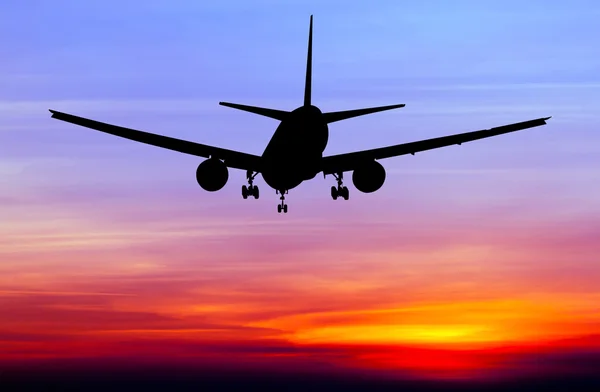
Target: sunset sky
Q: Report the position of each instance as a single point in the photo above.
(470, 262)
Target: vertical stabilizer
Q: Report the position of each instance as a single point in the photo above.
(308, 83)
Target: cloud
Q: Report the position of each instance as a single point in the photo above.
(277, 358)
(129, 106)
(511, 86)
(200, 107)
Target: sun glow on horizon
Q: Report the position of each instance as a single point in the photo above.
(456, 324)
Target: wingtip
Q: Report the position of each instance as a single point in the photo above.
(547, 118)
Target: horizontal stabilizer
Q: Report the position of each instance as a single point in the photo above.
(346, 114)
(272, 113)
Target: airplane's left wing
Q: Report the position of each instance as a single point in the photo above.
(350, 161)
(233, 159)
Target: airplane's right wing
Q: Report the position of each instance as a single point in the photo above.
(233, 159)
(350, 161)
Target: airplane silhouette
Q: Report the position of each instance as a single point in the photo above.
(295, 152)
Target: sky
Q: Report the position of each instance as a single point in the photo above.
(471, 262)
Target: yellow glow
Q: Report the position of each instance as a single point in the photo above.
(461, 323)
(394, 334)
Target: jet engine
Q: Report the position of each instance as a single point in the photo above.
(369, 177)
(212, 175)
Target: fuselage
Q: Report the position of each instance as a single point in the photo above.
(295, 151)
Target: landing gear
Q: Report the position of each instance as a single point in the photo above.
(282, 207)
(250, 190)
(340, 190)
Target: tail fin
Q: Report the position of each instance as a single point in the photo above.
(308, 82)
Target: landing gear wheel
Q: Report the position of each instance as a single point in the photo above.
(282, 207)
(250, 190)
(340, 190)
(344, 192)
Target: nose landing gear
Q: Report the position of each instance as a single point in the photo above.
(250, 190)
(282, 207)
(340, 190)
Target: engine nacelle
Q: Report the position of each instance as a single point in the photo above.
(212, 175)
(369, 177)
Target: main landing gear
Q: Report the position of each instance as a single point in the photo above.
(250, 190)
(340, 190)
(282, 206)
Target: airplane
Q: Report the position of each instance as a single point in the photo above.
(295, 152)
